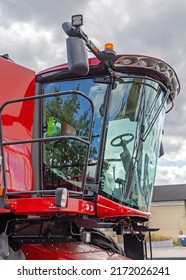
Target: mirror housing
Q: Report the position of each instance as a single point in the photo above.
(77, 56)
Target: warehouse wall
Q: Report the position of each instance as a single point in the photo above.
(170, 217)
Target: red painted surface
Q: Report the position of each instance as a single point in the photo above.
(106, 208)
(17, 121)
(46, 206)
(3, 210)
(19, 173)
(92, 62)
(68, 251)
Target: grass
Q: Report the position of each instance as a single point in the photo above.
(158, 237)
(176, 242)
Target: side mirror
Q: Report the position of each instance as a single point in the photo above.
(77, 56)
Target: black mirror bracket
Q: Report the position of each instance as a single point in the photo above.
(76, 51)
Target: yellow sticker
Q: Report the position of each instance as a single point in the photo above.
(50, 126)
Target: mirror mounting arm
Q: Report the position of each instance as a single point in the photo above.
(105, 56)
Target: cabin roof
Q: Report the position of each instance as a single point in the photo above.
(169, 193)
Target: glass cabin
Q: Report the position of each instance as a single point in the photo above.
(129, 136)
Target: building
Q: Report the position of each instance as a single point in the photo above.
(169, 210)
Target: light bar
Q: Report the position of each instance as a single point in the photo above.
(145, 62)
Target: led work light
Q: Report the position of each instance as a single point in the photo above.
(77, 20)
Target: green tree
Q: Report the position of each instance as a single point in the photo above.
(68, 156)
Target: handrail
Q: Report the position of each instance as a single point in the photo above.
(42, 139)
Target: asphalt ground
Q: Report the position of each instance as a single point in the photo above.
(166, 253)
(174, 253)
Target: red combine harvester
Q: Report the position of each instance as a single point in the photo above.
(79, 150)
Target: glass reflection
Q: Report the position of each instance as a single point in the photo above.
(132, 144)
(130, 159)
(71, 115)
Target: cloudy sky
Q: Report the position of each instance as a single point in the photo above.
(30, 31)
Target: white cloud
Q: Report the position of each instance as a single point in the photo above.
(171, 175)
(35, 47)
(172, 165)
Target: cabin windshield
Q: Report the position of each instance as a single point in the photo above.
(130, 145)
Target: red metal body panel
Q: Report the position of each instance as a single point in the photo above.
(106, 208)
(68, 251)
(3, 210)
(17, 121)
(46, 206)
(92, 62)
(17, 82)
(19, 171)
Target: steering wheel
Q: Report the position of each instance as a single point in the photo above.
(122, 141)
